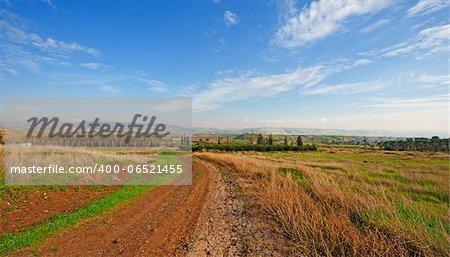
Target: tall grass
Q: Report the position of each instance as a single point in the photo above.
(339, 208)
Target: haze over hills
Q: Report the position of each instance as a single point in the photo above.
(277, 131)
(316, 131)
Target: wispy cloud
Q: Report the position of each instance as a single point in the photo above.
(50, 3)
(88, 79)
(14, 30)
(11, 71)
(22, 48)
(97, 79)
(344, 89)
(230, 18)
(427, 7)
(425, 80)
(287, 9)
(418, 102)
(250, 85)
(433, 80)
(94, 66)
(59, 46)
(16, 58)
(111, 89)
(375, 25)
(429, 41)
(322, 18)
(154, 85)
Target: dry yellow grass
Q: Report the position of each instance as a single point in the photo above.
(348, 202)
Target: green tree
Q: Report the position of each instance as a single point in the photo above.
(299, 141)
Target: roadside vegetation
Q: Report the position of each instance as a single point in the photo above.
(351, 202)
(252, 147)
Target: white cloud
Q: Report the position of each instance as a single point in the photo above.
(22, 48)
(94, 66)
(375, 25)
(418, 102)
(11, 71)
(155, 85)
(111, 89)
(50, 3)
(434, 80)
(429, 41)
(287, 9)
(230, 18)
(15, 34)
(249, 85)
(427, 7)
(56, 45)
(350, 88)
(425, 80)
(89, 79)
(64, 63)
(99, 79)
(14, 57)
(322, 18)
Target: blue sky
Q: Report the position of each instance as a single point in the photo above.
(348, 64)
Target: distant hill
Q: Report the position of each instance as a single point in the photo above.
(315, 131)
(281, 131)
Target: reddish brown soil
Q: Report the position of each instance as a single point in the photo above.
(28, 208)
(159, 223)
(207, 218)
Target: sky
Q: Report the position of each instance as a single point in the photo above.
(344, 64)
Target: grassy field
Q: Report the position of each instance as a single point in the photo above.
(337, 201)
(351, 202)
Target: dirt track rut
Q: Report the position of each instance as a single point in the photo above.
(205, 219)
(158, 223)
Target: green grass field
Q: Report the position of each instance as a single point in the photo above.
(343, 201)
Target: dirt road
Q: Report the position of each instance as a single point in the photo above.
(203, 219)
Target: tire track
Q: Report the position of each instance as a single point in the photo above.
(160, 222)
